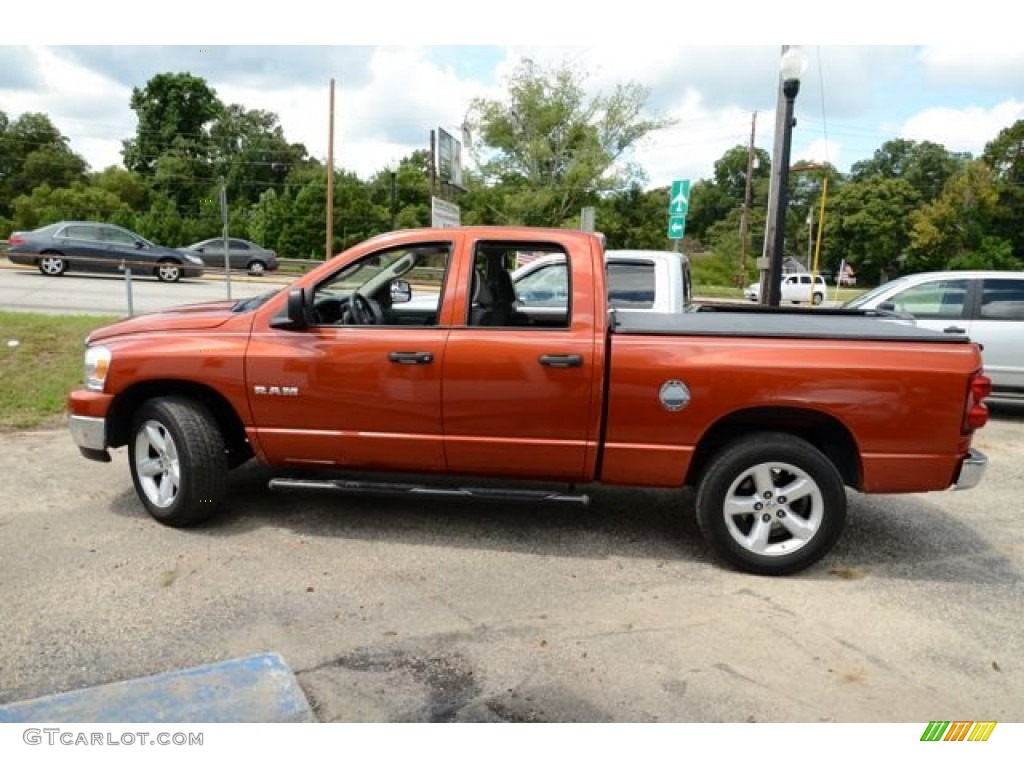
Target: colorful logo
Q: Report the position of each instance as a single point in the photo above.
(961, 730)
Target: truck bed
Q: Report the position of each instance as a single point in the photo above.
(766, 322)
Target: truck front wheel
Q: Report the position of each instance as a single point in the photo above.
(771, 503)
(178, 460)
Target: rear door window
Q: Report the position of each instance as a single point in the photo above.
(1002, 299)
(631, 285)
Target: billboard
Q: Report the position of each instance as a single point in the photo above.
(443, 213)
(449, 158)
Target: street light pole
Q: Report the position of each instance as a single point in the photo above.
(793, 63)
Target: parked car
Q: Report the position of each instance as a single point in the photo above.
(89, 246)
(987, 306)
(795, 288)
(242, 254)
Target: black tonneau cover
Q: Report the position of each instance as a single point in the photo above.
(784, 323)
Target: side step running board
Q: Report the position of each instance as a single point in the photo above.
(492, 494)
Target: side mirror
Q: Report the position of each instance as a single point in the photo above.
(888, 306)
(201, 249)
(297, 313)
(401, 292)
(139, 245)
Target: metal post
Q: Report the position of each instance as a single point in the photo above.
(764, 263)
(790, 88)
(224, 233)
(394, 199)
(329, 250)
(126, 266)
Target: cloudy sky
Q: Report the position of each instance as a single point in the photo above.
(393, 88)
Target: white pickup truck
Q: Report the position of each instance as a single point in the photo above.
(638, 281)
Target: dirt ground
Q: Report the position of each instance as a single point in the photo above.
(392, 610)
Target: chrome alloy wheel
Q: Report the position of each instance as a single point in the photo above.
(51, 265)
(773, 509)
(156, 463)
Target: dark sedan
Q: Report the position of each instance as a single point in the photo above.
(242, 254)
(88, 246)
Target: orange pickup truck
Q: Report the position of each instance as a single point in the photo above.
(769, 414)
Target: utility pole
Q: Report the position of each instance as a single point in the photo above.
(764, 263)
(433, 163)
(745, 220)
(329, 251)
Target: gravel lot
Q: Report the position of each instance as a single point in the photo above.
(392, 610)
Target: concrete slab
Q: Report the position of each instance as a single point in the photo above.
(254, 689)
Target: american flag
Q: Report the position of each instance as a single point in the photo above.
(525, 257)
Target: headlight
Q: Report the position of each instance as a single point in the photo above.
(193, 259)
(97, 364)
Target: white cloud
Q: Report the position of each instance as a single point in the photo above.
(962, 130)
(989, 66)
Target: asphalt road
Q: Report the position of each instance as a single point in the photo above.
(393, 610)
(25, 289)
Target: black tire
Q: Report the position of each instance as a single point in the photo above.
(52, 264)
(747, 474)
(257, 268)
(177, 436)
(168, 271)
(816, 299)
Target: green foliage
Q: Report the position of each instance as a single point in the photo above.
(625, 218)
(925, 165)
(868, 225)
(79, 201)
(1005, 155)
(552, 148)
(33, 153)
(174, 113)
(955, 225)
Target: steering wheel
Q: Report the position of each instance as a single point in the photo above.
(363, 310)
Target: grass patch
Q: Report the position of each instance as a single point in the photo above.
(45, 364)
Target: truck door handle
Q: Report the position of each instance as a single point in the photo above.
(561, 361)
(411, 358)
(954, 329)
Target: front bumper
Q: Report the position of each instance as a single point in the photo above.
(88, 423)
(972, 469)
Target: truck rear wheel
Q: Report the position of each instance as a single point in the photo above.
(771, 503)
(178, 461)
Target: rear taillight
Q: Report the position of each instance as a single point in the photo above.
(15, 240)
(975, 410)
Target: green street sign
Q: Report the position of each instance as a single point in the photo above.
(679, 198)
(676, 227)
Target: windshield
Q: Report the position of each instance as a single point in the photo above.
(866, 298)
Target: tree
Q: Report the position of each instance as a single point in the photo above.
(33, 152)
(46, 205)
(412, 192)
(553, 148)
(1005, 156)
(867, 225)
(955, 229)
(925, 165)
(250, 152)
(173, 110)
(634, 218)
